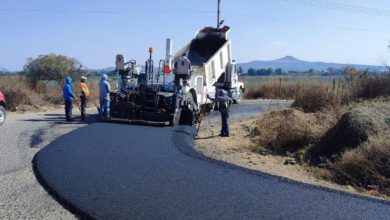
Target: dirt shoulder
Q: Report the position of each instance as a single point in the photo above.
(237, 149)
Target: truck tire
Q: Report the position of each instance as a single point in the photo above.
(238, 99)
(3, 115)
(188, 114)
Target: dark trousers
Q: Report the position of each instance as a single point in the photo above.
(68, 109)
(225, 126)
(83, 106)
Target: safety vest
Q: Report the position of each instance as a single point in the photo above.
(84, 88)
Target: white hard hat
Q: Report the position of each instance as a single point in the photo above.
(83, 78)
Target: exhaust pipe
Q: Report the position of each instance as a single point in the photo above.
(168, 56)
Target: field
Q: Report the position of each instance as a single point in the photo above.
(258, 80)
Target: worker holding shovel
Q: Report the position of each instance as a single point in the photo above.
(224, 102)
(83, 97)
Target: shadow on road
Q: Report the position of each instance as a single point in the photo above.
(53, 120)
(60, 119)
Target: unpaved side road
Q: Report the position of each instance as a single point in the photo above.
(21, 137)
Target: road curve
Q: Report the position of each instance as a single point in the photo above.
(115, 171)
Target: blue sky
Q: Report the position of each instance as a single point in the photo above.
(95, 31)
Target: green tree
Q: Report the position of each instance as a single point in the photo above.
(51, 67)
(269, 71)
(252, 72)
(278, 71)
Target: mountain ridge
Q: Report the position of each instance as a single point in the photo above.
(291, 63)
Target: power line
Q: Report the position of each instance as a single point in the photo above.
(306, 24)
(101, 11)
(115, 12)
(341, 7)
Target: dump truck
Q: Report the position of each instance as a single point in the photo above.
(212, 65)
(176, 91)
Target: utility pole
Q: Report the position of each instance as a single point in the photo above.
(219, 12)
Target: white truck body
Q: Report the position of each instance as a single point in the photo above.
(218, 71)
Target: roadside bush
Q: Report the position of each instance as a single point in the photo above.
(368, 165)
(355, 127)
(20, 96)
(317, 96)
(310, 96)
(54, 96)
(254, 93)
(365, 84)
(375, 86)
(288, 130)
(18, 93)
(313, 96)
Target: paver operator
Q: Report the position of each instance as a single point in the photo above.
(183, 65)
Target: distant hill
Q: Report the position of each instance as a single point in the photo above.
(288, 63)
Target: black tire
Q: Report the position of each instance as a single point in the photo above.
(238, 99)
(3, 115)
(188, 115)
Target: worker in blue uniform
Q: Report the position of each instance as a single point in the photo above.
(224, 102)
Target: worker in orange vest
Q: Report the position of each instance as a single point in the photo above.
(83, 97)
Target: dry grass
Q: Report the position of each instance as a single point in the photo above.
(367, 85)
(309, 95)
(276, 88)
(289, 130)
(318, 96)
(366, 166)
(356, 147)
(363, 164)
(21, 97)
(362, 121)
(18, 94)
(314, 95)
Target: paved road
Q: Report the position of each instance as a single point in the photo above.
(115, 171)
(21, 137)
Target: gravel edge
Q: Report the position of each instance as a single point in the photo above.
(78, 213)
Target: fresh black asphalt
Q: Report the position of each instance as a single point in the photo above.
(117, 171)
